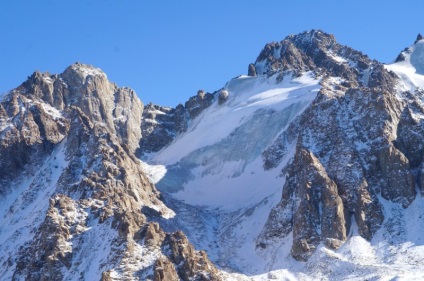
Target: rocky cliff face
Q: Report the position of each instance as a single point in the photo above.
(160, 125)
(67, 150)
(352, 135)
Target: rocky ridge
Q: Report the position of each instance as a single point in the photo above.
(75, 136)
(160, 125)
(351, 134)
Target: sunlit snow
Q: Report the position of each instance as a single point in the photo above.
(217, 162)
(411, 70)
(154, 172)
(247, 95)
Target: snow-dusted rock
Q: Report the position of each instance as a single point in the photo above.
(316, 156)
(311, 208)
(223, 96)
(73, 191)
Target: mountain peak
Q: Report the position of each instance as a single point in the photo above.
(413, 56)
(84, 70)
(419, 37)
(407, 52)
(312, 50)
(313, 36)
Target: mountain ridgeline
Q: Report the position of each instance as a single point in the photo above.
(280, 174)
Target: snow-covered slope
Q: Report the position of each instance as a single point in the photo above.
(24, 209)
(217, 163)
(410, 66)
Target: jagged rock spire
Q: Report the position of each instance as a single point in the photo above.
(419, 37)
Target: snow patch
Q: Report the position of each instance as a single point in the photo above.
(48, 79)
(140, 261)
(410, 70)
(56, 114)
(88, 70)
(153, 172)
(336, 57)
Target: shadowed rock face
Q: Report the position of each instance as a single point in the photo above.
(73, 137)
(160, 125)
(251, 71)
(311, 208)
(27, 132)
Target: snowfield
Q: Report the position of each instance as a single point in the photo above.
(247, 95)
(220, 154)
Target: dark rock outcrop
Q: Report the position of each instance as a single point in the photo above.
(223, 96)
(160, 125)
(29, 130)
(164, 270)
(311, 208)
(179, 261)
(190, 264)
(419, 37)
(195, 105)
(251, 70)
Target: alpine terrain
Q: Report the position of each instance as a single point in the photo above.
(311, 167)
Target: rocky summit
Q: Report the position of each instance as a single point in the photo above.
(310, 167)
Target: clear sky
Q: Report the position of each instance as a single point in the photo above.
(167, 50)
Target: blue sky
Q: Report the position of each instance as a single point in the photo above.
(167, 50)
